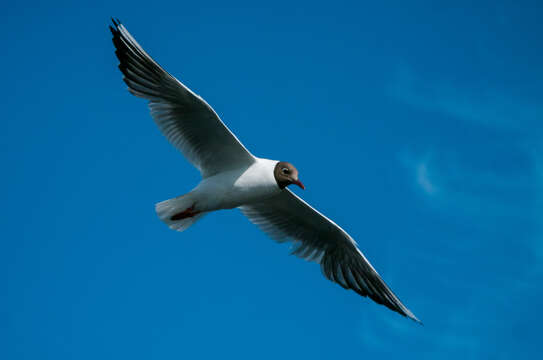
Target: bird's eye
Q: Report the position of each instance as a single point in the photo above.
(284, 170)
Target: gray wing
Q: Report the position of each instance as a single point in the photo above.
(186, 120)
(317, 238)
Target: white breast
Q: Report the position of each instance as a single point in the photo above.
(231, 189)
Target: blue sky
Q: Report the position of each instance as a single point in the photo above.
(430, 113)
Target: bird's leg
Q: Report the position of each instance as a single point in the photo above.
(185, 214)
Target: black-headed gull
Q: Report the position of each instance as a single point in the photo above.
(233, 178)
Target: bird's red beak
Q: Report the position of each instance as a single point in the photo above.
(299, 183)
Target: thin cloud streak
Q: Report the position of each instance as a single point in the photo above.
(464, 329)
(452, 187)
(483, 106)
(423, 179)
(496, 203)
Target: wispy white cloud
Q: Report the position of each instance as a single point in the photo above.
(484, 106)
(418, 167)
(455, 334)
(476, 195)
(423, 178)
(449, 186)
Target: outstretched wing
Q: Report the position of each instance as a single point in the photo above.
(186, 120)
(287, 217)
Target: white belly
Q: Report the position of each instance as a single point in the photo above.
(238, 187)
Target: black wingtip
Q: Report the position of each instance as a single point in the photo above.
(115, 28)
(116, 22)
(415, 319)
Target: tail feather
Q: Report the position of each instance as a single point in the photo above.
(168, 208)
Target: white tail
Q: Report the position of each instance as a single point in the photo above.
(168, 208)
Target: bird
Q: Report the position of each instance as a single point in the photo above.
(232, 177)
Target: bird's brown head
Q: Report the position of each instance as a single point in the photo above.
(285, 174)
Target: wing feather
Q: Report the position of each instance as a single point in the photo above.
(186, 120)
(317, 238)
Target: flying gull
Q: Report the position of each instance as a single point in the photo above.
(234, 178)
